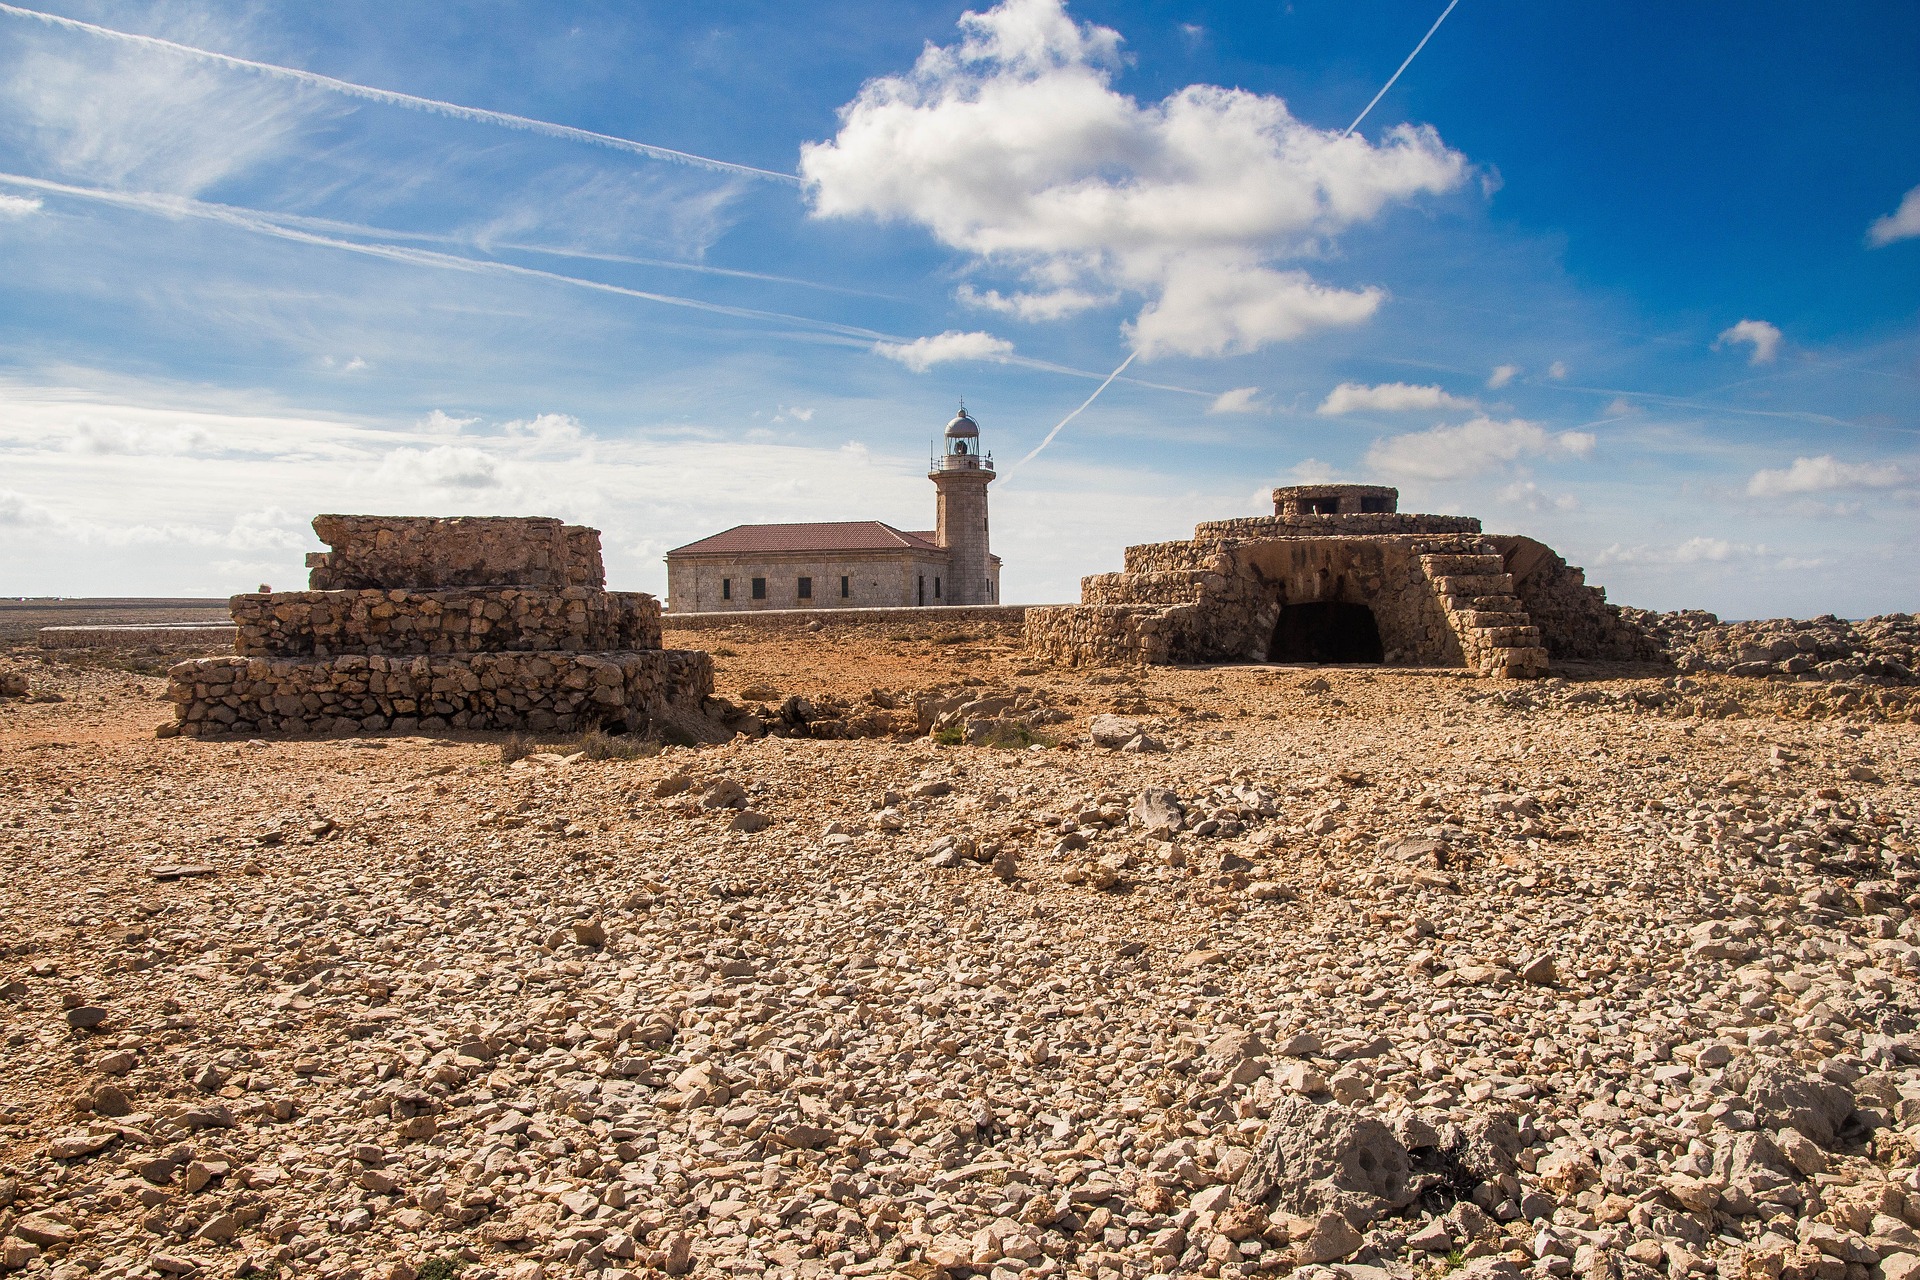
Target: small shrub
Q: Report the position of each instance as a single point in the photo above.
(951, 735)
(444, 1267)
(723, 652)
(598, 745)
(517, 746)
(952, 637)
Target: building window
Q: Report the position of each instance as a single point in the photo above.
(936, 588)
(1373, 506)
(726, 588)
(846, 588)
(923, 588)
(759, 588)
(806, 588)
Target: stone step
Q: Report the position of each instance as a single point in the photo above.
(1512, 637)
(1484, 604)
(1444, 564)
(1474, 584)
(1485, 620)
(1525, 663)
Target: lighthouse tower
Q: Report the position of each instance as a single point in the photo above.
(962, 473)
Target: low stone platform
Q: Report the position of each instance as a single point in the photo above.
(1002, 615)
(418, 623)
(215, 635)
(1338, 575)
(360, 693)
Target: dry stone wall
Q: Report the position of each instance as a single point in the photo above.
(480, 624)
(1439, 592)
(462, 551)
(357, 693)
(466, 620)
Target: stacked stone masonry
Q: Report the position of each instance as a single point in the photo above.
(483, 624)
(463, 620)
(461, 551)
(1374, 585)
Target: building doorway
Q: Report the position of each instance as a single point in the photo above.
(1325, 631)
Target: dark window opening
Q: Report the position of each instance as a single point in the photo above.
(759, 588)
(1321, 506)
(846, 588)
(1326, 631)
(936, 588)
(806, 588)
(923, 588)
(726, 588)
(1373, 506)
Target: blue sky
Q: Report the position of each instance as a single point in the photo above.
(1638, 280)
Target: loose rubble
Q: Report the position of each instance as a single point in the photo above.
(1369, 975)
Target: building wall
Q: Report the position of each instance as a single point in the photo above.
(877, 580)
(961, 527)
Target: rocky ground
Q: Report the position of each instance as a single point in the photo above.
(1375, 974)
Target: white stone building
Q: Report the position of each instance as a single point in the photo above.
(854, 564)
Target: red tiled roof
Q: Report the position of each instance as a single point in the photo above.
(838, 535)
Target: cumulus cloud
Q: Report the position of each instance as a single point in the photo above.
(18, 509)
(18, 206)
(1902, 224)
(1764, 338)
(1472, 448)
(1502, 375)
(444, 466)
(1238, 400)
(1388, 397)
(1557, 370)
(442, 423)
(1013, 146)
(922, 354)
(1824, 474)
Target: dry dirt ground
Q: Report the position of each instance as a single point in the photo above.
(1373, 974)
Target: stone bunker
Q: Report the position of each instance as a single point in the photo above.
(1339, 574)
(421, 623)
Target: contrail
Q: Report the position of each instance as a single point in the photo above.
(250, 220)
(1076, 413)
(1403, 66)
(408, 100)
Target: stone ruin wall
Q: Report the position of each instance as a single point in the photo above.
(1377, 523)
(1575, 619)
(485, 623)
(1442, 597)
(465, 620)
(381, 552)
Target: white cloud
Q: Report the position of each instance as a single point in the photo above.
(1014, 147)
(446, 466)
(1502, 375)
(441, 423)
(18, 206)
(1388, 397)
(1531, 496)
(1472, 448)
(1824, 474)
(922, 354)
(1053, 304)
(1902, 224)
(1557, 370)
(1238, 400)
(1764, 337)
(18, 509)
(1692, 551)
